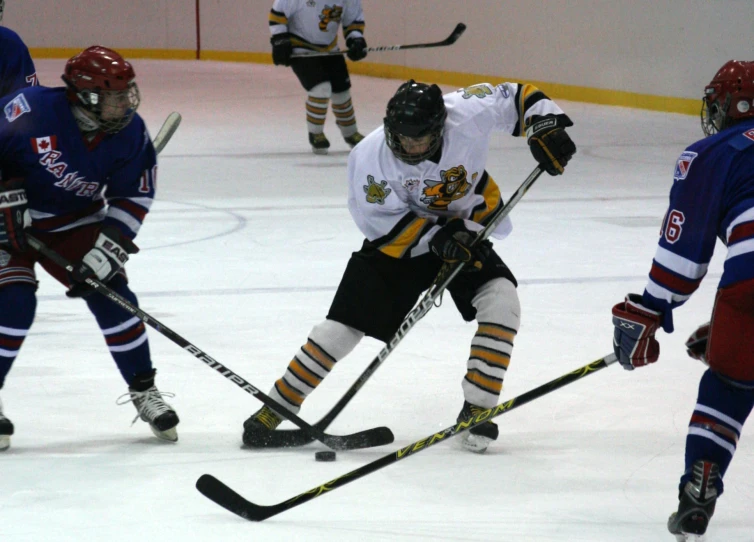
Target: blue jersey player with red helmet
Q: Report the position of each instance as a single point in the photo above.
(17, 69)
(77, 163)
(712, 198)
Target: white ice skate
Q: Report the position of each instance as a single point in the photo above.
(151, 408)
(6, 430)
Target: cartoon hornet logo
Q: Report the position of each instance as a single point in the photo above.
(480, 91)
(330, 14)
(376, 193)
(453, 186)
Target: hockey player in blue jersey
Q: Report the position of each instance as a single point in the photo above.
(78, 161)
(712, 197)
(16, 66)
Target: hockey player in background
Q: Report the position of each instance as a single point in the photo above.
(712, 197)
(300, 26)
(419, 192)
(16, 66)
(59, 149)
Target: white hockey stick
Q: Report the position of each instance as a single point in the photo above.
(167, 130)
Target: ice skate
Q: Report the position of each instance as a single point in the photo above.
(478, 438)
(697, 504)
(261, 423)
(319, 143)
(151, 407)
(353, 139)
(6, 430)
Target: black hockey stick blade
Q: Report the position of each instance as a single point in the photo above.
(459, 29)
(450, 40)
(293, 438)
(377, 436)
(218, 492)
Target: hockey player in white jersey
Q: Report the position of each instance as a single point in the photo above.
(301, 26)
(418, 191)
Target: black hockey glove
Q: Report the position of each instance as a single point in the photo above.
(282, 49)
(452, 243)
(109, 253)
(356, 48)
(549, 142)
(13, 207)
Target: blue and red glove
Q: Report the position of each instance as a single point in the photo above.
(696, 344)
(13, 211)
(634, 340)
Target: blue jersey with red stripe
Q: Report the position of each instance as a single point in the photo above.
(71, 181)
(17, 69)
(712, 198)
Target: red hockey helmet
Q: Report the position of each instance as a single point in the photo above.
(102, 82)
(729, 97)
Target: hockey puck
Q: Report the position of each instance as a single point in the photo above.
(324, 456)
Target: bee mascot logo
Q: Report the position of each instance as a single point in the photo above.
(439, 194)
(376, 193)
(480, 91)
(329, 15)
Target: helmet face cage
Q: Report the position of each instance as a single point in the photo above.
(415, 111)
(393, 141)
(2, 9)
(729, 98)
(113, 109)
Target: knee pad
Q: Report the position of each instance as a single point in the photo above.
(336, 338)
(322, 90)
(340, 97)
(497, 302)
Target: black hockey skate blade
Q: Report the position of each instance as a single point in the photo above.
(324, 456)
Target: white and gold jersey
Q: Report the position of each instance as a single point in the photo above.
(313, 24)
(399, 207)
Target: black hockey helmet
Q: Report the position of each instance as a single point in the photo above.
(415, 111)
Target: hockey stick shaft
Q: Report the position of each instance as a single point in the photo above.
(450, 40)
(444, 277)
(167, 130)
(365, 439)
(217, 491)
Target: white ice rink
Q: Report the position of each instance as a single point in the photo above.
(241, 255)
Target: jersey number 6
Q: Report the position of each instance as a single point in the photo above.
(673, 227)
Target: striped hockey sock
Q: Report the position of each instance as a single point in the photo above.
(345, 117)
(328, 342)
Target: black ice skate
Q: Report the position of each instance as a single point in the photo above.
(319, 143)
(697, 503)
(151, 408)
(353, 139)
(6, 430)
(478, 438)
(259, 425)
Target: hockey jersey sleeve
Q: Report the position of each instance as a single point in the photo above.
(505, 107)
(688, 235)
(131, 187)
(353, 20)
(278, 18)
(17, 69)
(381, 211)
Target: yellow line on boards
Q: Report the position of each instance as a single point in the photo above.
(557, 91)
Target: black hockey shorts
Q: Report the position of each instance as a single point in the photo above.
(313, 71)
(378, 291)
